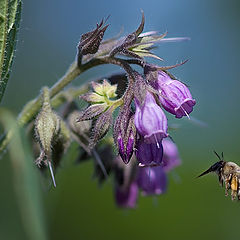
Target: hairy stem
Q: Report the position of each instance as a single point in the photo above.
(31, 108)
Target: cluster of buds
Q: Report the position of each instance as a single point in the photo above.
(130, 107)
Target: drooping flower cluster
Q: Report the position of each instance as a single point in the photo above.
(140, 129)
(132, 104)
(150, 95)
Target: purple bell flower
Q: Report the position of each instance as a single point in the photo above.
(174, 96)
(150, 120)
(127, 198)
(152, 180)
(171, 157)
(149, 154)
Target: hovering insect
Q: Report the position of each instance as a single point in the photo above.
(229, 174)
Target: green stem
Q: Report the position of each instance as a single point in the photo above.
(31, 109)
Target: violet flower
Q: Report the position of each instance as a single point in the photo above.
(150, 120)
(174, 96)
(171, 157)
(149, 154)
(127, 198)
(152, 180)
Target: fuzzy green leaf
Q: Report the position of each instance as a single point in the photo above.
(10, 15)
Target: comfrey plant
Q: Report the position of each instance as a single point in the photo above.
(130, 104)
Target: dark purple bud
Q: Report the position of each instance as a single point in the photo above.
(174, 96)
(90, 41)
(150, 120)
(149, 154)
(125, 132)
(127, 198)
(152, 180)
(126, 148)
(171, 157)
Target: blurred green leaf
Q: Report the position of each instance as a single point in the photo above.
(26, 180)
(10, 15)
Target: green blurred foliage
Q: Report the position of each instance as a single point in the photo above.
(192, 208)
(10, 16)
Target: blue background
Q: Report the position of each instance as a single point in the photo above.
(192, 208)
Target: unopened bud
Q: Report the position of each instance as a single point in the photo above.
(125, 133)
(90, 41)
(102, 125)
(47, 125)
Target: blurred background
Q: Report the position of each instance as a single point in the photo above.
(192, 208)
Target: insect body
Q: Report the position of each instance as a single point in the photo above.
(229, 174)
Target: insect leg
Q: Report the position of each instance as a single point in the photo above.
(227, 184)
(220, 179)
(234, 187)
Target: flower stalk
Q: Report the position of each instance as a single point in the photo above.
(133, 104)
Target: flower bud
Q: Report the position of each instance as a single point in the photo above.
(90, 41)
(152, 180)
(124, 133)
(47, 125)
(102, 125)
(150, 120)
(171, 157)
(149, 154)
